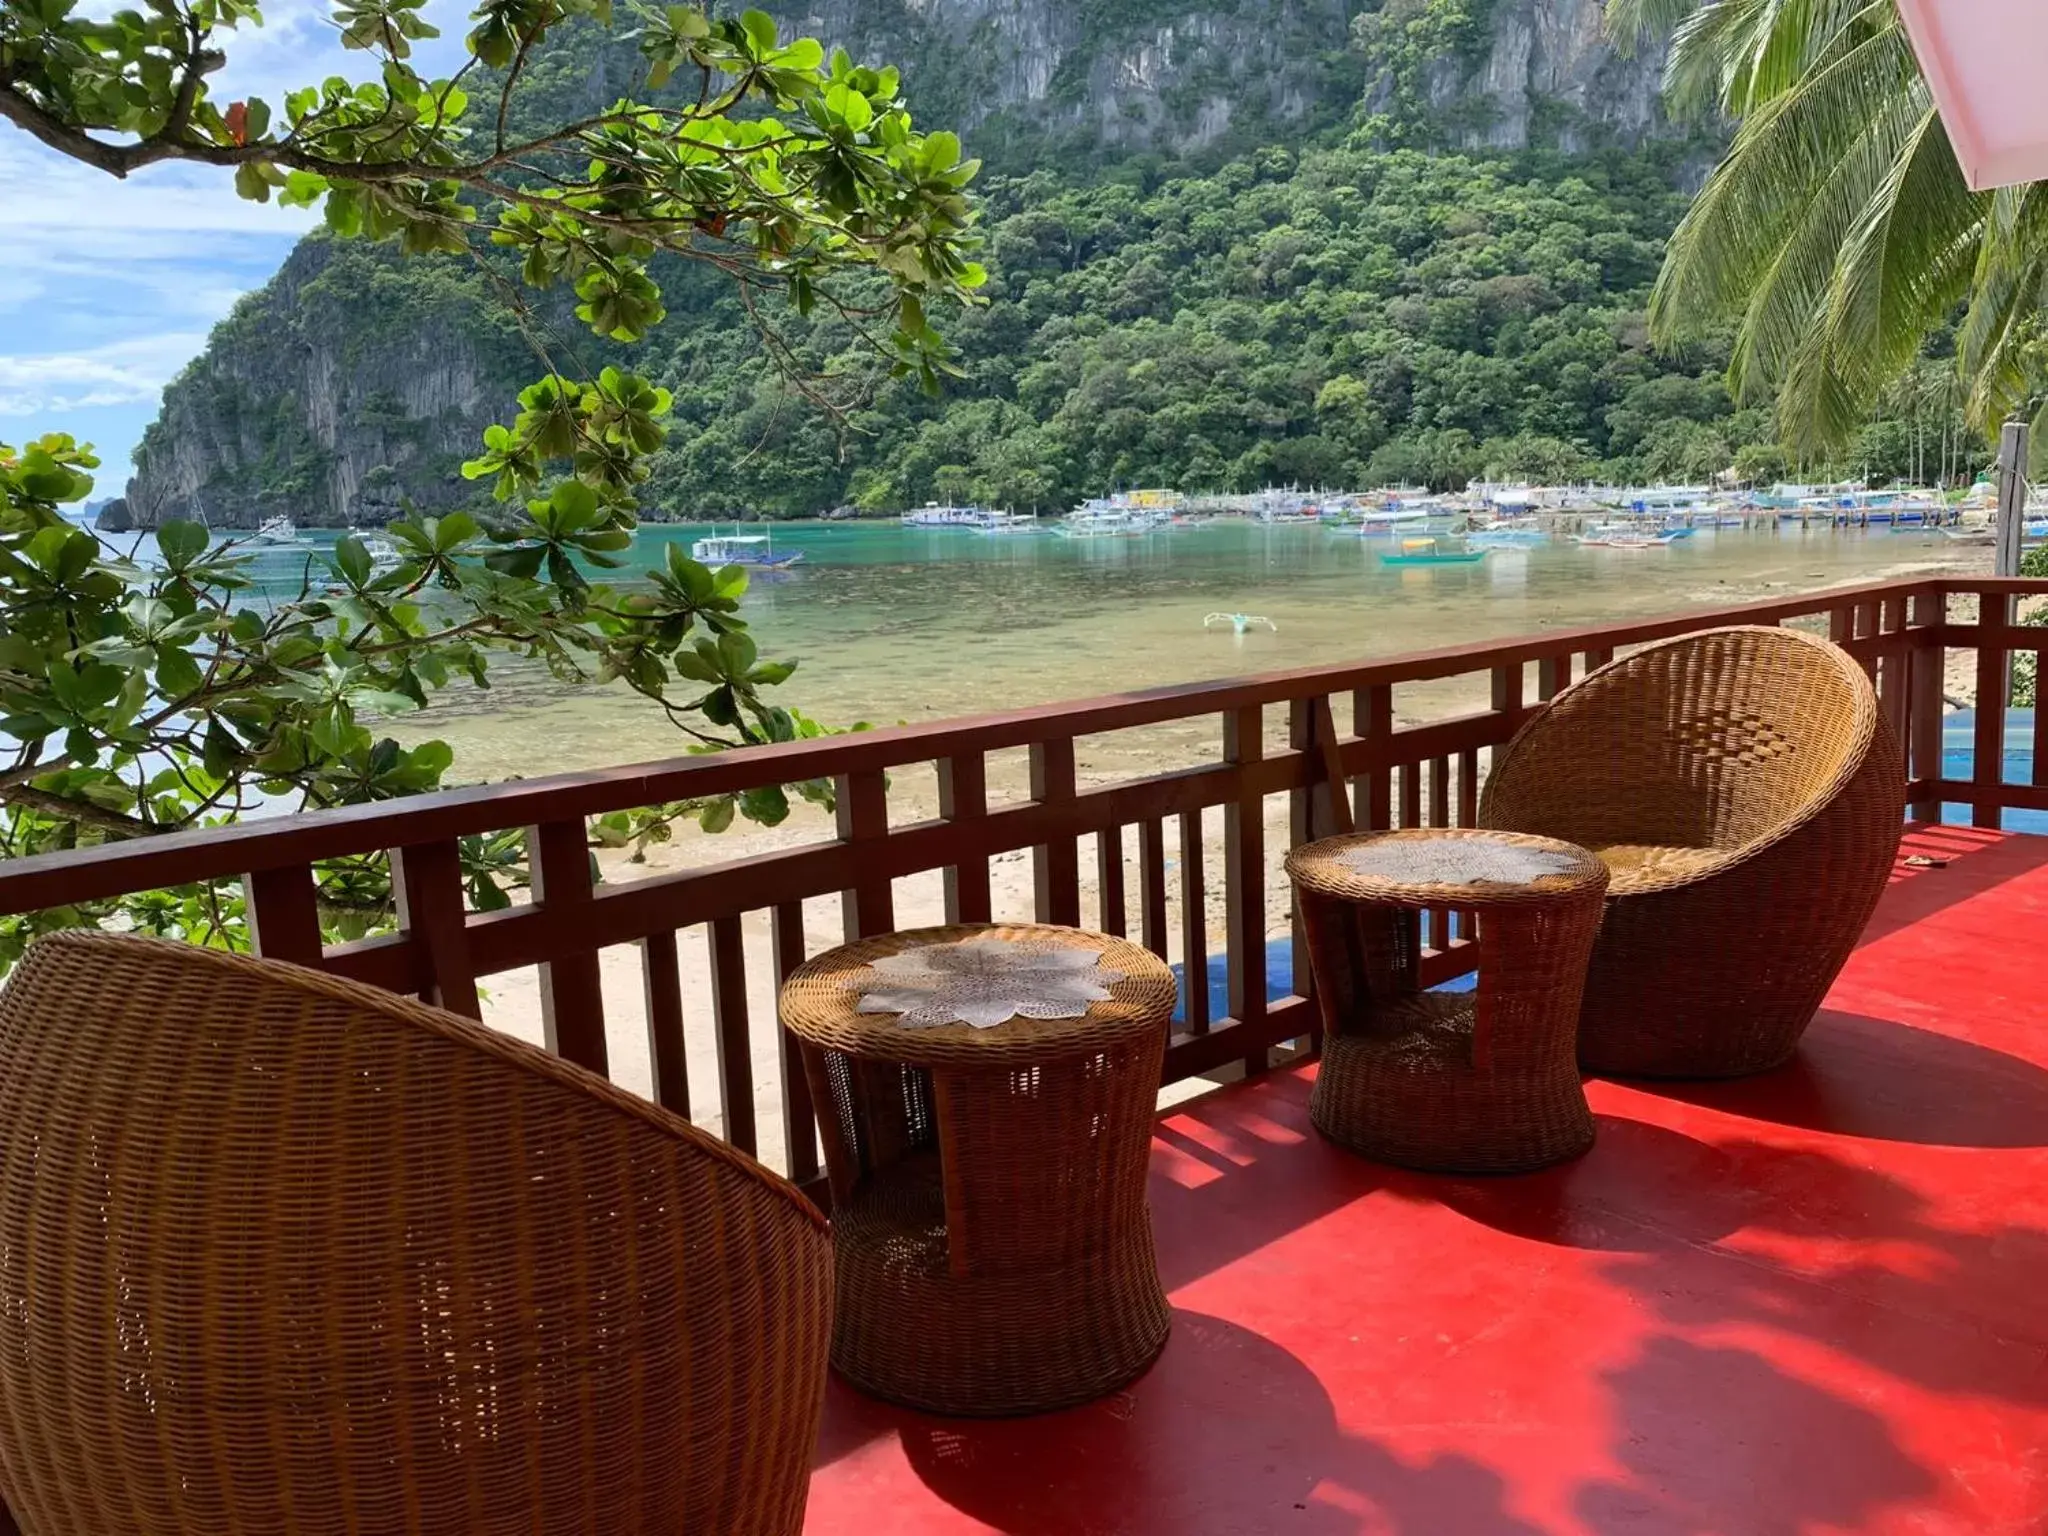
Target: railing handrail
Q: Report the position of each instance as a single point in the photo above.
(261, 844)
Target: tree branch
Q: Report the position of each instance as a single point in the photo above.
(62, 808)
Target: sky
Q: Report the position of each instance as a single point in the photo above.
(109, 287)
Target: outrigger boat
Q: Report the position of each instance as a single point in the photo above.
(1506, 538)
(1241, 622)
(757, 550)
(1428, 552)
(1629, 539)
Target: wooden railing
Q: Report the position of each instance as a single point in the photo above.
(1399, 771)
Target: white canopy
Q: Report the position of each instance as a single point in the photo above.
(1987, 62)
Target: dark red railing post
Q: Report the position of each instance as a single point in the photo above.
(1152, 884)
(1309, 817)
(733, 1034)
(1927, 623)
(427, 878)
(284, 914)
(571, 988)
(1055, 863)
(862, 800)
(799, 1116)
(1372, 717)
(662, 995)
(1994, 682)
(1244, 882)
(963, 797)
(1194, 926)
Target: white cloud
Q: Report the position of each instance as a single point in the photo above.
(115, 374)
(108, 287)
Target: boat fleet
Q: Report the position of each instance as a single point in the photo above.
(1418, 527)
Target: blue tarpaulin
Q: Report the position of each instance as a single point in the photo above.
(1959, 756)
(1279, 980)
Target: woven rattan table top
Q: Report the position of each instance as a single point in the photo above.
(1445, 867)
(820, 1002)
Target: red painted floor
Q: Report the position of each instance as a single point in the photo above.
(1814, 1302)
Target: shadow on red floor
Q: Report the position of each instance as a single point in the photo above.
(1804, 1303)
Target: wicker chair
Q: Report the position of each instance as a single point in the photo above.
(1747, 794)
(284, 1255)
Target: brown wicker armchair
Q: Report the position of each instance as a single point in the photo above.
(283, 1255)
(1747, 795)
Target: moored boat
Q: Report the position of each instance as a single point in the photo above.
(1628, 538)
(999, 524)
(1123, 515)
(1430, 552)
(754, 549)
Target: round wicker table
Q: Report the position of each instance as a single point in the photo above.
(1484, 1081)
(993, 1246)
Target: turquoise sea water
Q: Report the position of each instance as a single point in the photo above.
(890, 623)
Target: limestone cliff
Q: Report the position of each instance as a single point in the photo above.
(343, 383)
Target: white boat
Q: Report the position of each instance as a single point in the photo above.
(1380, 521)
(998, 524)
(1121, 516)
(1668, 500)
(384, 555)
(275, 530)
(1242, 623)
(755, 549)
(1507, 538)
(932, 515)
(1272, 506)
(1629, 538)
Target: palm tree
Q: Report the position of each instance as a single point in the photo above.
(1838, 233)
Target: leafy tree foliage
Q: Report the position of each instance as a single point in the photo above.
(1344, 316)
(144, 693)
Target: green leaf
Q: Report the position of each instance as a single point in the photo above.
(717, 815)
(352, 560)
(302, 189)
(250, 183)
(221, 751)
(177, 674)
(768, 806)
(805, 53)
(574, 502)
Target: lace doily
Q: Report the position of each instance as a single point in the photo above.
(1456, 861)
(984, 982)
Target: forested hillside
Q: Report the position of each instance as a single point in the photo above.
(1342, 317)
(1440, 274)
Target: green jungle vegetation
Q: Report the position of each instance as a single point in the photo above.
(1368, 307)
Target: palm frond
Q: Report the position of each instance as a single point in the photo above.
(1815, 409)
(1838, 233)
(2001, 335)
(1909, 261)
(1787, 307)
(1799, 172)
(1631, 23)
